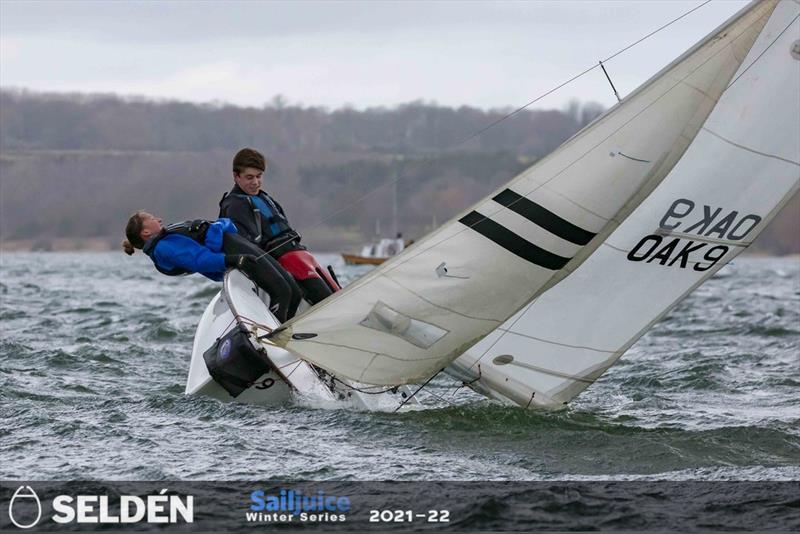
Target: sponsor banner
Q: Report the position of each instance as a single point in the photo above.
(233, 506)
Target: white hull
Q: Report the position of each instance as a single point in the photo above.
(216, 321)
(239, 304)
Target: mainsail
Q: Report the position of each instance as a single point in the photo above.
(742, 167)
(422, 309)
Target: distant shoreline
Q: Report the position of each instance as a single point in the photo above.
(61, 244)
(86, 244)
(107, 244)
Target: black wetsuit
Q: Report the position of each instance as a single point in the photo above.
(262, 220)
(281, 287)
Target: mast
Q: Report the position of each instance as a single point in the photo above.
(394, 206)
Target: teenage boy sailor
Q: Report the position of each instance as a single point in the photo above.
(259, 218)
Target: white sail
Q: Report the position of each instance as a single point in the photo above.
(422, 309)
(742, 167)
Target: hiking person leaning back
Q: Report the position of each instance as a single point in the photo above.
(210, 248)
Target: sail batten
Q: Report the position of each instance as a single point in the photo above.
(496, 257)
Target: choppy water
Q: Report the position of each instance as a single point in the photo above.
(95, 351)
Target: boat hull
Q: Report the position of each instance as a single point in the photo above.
(241, 304)
(354, 259)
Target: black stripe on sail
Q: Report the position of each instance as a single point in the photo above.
(512, 242)
(543, 217)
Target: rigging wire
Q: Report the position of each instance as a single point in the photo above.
(441, 398)
(585, 71)
(400, 175)
(762, 53)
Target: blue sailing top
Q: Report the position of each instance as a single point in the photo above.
(175, 251)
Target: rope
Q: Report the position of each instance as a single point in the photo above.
(463, 384)
(224, 330)
(392, 390)
(418, 390)
(441, 398)
(251, 322)
(363, 390)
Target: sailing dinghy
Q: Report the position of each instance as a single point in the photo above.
(535, 291)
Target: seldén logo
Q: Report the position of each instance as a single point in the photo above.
(159, 508)
(24, 498)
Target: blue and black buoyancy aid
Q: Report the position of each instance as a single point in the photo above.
(268, 217)
(195, 229)
(269, 224)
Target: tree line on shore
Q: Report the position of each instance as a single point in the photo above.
(75, 166)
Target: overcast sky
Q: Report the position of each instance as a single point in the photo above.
(485, 54)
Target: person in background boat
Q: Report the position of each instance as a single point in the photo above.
(259, 218)
(209, 248)
(395, 246)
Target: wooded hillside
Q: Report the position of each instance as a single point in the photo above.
(73, 167)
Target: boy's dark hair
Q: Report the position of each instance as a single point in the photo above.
(249, 157)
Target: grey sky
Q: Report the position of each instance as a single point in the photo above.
(486, 54)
